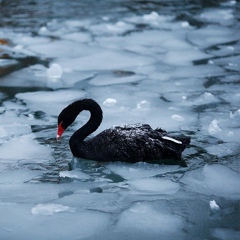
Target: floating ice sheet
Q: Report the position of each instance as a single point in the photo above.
(62, 48)
(78, 37)
(223, 16)
(13, 129)
(153, 186)
(140, 170)
(212, 35)
(85, 223)
(105, 60)
(224, 149)
(142, 218)
(49, 101)
(110, 79)
(34, 76)
(25, 148)
(213, 180)
(190, 55)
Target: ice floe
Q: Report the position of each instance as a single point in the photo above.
(40, 100)
(153, 186)
(215, 180)
(25, 148)
(141, 218)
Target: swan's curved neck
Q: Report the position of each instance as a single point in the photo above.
(93, 123)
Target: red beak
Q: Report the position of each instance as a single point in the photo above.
(60, 131)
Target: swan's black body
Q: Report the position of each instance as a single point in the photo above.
(128, 143)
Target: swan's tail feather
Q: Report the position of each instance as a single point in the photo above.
(174, 146)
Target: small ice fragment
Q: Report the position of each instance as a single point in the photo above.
(185, 24)
(208, 95)
(120, 24)
(230, 48)
(105, 18)
(43, 29)
(172, 139)
(50, 209)
(68, 174)
(177, 118)
(18, 47)
(109, 102)
(73, 174)
(55, 71)
(143, 105)
(151, 17)
(213, 205)
(230, 134)
(232, 64)
(30, 116)
(214, 128)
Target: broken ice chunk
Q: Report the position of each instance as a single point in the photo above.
(143, 105)
(214, 128)
(213, 205)
(109, 102)
(177, 118)
(55, 71)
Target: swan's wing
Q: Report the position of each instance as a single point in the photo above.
(128, 142)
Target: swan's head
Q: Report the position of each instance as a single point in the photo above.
(66, 118)
(69, 114)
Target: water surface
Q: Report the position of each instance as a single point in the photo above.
(172, 64)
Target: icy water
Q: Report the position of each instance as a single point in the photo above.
(171, 64)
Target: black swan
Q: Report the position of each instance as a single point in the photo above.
(127, 143)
